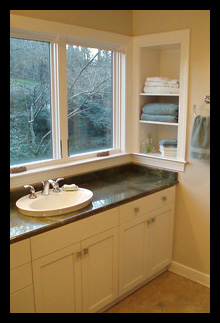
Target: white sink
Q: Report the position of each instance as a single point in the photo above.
(54, 203)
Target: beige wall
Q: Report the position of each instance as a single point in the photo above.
(192, 219)
(116, 21)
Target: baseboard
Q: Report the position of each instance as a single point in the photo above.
(190, 273)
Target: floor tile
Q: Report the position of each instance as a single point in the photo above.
(167, 293)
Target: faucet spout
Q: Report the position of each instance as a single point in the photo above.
(46, 187)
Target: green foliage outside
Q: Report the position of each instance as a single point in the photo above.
(89, 82)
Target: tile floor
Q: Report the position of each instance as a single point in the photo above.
(167, 293)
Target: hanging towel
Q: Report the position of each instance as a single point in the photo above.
(200, 138)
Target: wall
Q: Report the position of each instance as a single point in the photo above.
(192, 219)
(116, 21)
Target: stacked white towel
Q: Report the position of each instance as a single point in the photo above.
(161, 85)
(168, 147)
(168, 152)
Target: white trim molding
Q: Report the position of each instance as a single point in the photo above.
(155, 160)
(37, 175)
(190, 273)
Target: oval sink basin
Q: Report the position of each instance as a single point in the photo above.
(54, 203)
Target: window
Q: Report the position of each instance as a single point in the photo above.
(37, 129)
(30, 108)
(89, 86)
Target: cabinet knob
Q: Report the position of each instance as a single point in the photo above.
(153, 220)
(164, 198)
(136, 209)
(148, 221)
(86, 251)
(79, 254)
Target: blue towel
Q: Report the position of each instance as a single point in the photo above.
(200, 138)
(161, 109)
(161, 118)
(168, 142)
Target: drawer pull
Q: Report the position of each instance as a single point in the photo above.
(164, 198)
(136, 209)
(86, 251)
(79, 254)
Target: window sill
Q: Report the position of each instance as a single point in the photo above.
(33, 176)
(156, 160)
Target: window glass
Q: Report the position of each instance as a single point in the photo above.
(30, 110)
(90, 112)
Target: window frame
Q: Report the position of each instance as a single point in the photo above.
(59, 99)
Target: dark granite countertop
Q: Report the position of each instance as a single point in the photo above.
(111, 187)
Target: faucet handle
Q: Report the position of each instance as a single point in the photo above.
(32, 191)
(59, 179)
(55, 184)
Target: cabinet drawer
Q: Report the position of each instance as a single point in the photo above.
(146, 204)
(20, 253)
(161, 198)
(20, 277)
(69, 234)
(131, 210)
(22, 301)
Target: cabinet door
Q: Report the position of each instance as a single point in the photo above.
(57, 281)
(161, 238)
(133, 253)
(99, 270)
(22, 301)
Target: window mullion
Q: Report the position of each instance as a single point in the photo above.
(55, 102)
(62, 100)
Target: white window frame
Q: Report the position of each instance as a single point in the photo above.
(37, 171)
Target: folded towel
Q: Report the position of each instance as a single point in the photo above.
(161, 118)
(168, 149)
(168, 142)
(162, 79)
(161, 90)
(161, 109)
(200, 138)
(161, 84)
(157, 79)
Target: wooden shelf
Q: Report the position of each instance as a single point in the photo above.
(159, 94)
(160, 123)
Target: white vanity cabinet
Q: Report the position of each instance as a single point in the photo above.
(133, 253)
(145, 238)
(21, 285)
(82, 277)
(160, 226)
(87, 265)
(99, 270)
(57, 281)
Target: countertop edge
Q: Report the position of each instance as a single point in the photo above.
(86, 214)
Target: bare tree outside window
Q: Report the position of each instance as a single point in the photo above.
(89, 87)
(30, 115)
(89, 79)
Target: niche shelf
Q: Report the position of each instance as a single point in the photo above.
(166, 55)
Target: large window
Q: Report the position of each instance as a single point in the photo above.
(89, 85)
(36, 115)
(30, 108)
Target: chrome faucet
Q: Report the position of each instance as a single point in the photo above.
(46, 187)
(32, 192)
(55, 185)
